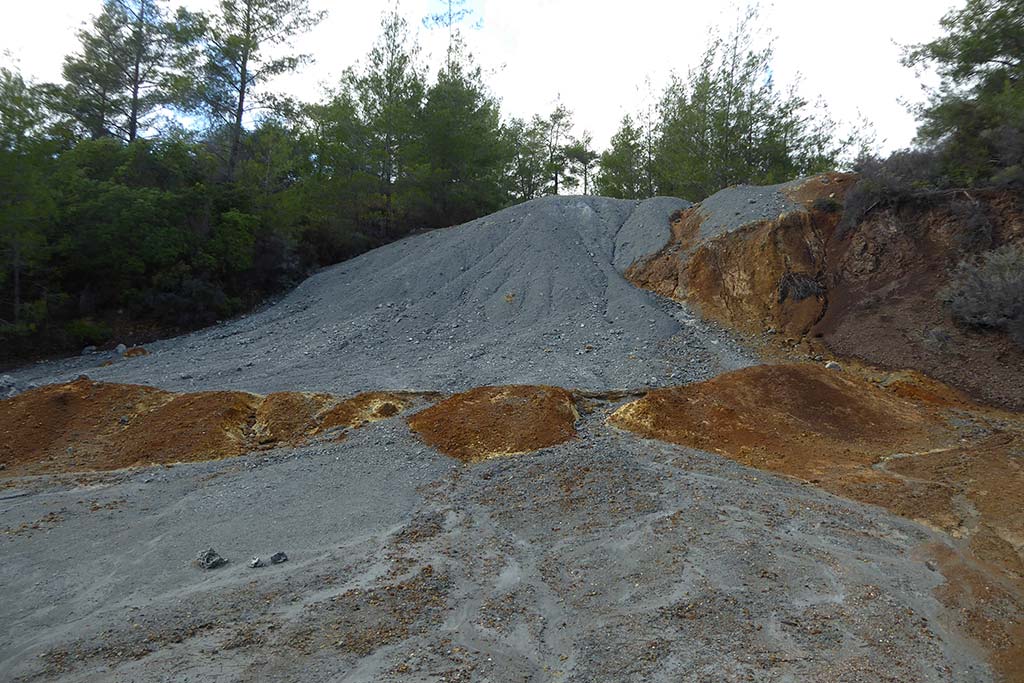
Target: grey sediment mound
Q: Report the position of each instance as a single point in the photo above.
(533, 294)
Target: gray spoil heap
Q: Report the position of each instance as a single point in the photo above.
(605, 558)
(531, 294)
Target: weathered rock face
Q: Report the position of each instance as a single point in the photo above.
(873, 292)
(765, 275)
(885, 282)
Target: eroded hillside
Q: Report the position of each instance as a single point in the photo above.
(490, 457)
(872, 291)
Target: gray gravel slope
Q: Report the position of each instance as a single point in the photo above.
(532, 294)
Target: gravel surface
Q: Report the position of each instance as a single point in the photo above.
(531, 295)
(608, 558)
(734, 207)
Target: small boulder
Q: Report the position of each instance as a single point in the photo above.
(8, 387)
(256, 562)
(278, 558)
(832, 365)
(120, 349)
(210, 559)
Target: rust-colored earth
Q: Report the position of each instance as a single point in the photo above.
(899, 441)
(872, 292)
(95, 426)
(489, 422)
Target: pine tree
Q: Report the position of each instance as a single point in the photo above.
(390, 92)
(235, 42)
(120, 79)
(728, 123)
(623, 173)
(976, 115)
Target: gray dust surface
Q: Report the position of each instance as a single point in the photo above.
(609, 558)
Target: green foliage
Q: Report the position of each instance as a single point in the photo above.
(389, 92)
(976, 116)
(461, 151)
(120, 78)
(527, 170)
(581, 157)
(624, 165)
(237, 53)
(85, 331)
(728, 123)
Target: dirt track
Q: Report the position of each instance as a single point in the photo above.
(602, 556)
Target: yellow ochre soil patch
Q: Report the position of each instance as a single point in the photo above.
(900, 441)
(488, 422)
(89, 426)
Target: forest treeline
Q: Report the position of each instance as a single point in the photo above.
(161, 185)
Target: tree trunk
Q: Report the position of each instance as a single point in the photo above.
(133, 118)
(243, 88)
(236, 126)
(16, 263)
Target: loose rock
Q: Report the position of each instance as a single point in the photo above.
(210, 559)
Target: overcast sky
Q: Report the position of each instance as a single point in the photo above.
(594, 54)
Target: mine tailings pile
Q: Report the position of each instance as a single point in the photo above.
(871, 291)
(897, 440)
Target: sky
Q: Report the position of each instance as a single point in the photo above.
(596, 56)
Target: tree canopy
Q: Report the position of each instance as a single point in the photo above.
(976, 115)
(164, 184)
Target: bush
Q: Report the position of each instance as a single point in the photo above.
(826, 205)
(988, 291)
(884, 182)
(87, 331)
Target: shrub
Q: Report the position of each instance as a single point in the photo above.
(884, 182)
(977, 230)
(826, 205)
(988, 291)
(87, 331)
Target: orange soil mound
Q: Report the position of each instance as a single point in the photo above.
(488, 422)
(287, 417)
(919, 449)
(89, 426)
(136, 352)
(796, 418)
(367, 407)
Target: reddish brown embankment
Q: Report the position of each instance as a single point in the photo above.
(899, 441)
(489, 422)
(89, 426)
(872, 292)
